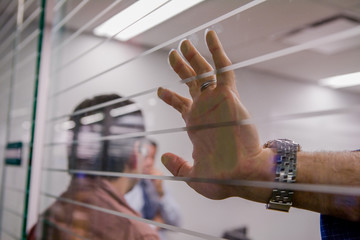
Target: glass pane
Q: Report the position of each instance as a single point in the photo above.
(103, 110)
(19, 36)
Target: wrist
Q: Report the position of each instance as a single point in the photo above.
(262, 169)
(285, 172)
(267, 172)
(264, 165)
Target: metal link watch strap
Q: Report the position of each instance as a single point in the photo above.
(285, 160)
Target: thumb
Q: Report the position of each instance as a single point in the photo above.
(176, 165)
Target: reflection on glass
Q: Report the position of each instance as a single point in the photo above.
(93, 205)
(150, 197)
(279, 50)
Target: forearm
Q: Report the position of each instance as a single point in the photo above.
(329, 168)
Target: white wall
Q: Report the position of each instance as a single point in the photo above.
(265, 95)
(17, 83)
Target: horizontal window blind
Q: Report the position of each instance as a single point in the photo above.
(20, 35)
(82, 65)
(280, 50)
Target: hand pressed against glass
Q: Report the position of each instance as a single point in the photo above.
(232, 152)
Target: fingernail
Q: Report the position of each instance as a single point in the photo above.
(208, 37)
(205, 36)
(185, 46)
(173, 49)
(171, 57)
(160, 92)
(180, 43)
(206, 32)
(165, 159)
(164, 93)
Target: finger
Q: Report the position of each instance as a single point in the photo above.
(220, 59)
(197, 62)
(176, 165)
(182, 69)
(178, 102)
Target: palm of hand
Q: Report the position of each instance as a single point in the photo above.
(220, 152)
(223, 152)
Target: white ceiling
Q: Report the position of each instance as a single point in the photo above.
(254, 32)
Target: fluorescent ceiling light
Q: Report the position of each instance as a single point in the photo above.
(342, 81)
(139, 17)
(97, 117)
(68, 125)
(124, 110)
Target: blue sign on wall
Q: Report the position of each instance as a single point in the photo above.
(13, 153)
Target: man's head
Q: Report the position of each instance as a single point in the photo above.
(149, 156)
(91, 148)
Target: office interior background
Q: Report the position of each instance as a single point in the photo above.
(54, 54)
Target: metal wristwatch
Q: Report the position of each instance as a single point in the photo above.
(285, 162)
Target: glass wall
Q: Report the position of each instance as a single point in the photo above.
(103, 116)
(20, 34)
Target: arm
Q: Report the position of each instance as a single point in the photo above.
(330, 168)
(235, 152)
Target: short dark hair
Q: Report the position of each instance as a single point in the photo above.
(103, 154)
(148, 141)
(152, 142)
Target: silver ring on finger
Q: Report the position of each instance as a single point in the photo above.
(206, 84)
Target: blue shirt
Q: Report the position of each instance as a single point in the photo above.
(333, 228)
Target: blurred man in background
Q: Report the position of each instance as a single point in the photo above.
(93, 206)
(150, 197)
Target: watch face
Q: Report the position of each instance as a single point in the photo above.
(278, 143)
